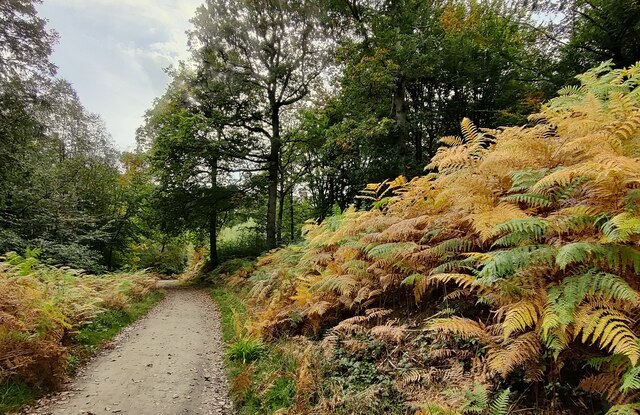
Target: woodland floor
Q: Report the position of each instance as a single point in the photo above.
(170, 362)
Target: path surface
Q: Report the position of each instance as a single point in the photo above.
(168, 363)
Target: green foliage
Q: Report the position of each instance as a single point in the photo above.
(246, 350)
(14, 396)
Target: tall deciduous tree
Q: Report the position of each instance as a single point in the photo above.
(275, 47)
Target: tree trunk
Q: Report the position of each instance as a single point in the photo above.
(281, 198)
(419, 150)
(273, 160)
(213, 216)
(292, 227)
(400, 105)
(213, 238)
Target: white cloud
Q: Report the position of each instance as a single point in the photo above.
(114, 53)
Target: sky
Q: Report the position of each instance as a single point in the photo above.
(114, 53)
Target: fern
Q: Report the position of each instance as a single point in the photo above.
(477, 400)
(462, 327)
(616, 257)
(523, 179)
(532, 199)
(625, 409)
(631, 380)
(621, 228)
(506, 262)
(500, 405)
(564, 299)
(609, 330)
(519, 317)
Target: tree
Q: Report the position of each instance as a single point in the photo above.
(189, 157)
(278, 49)
(601, 30)
(25, 47)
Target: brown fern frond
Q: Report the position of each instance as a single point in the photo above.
(459, 326)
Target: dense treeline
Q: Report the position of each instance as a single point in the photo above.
(284, 112)
(288, 109)
(64, 188)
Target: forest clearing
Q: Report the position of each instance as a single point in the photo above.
(350, 207)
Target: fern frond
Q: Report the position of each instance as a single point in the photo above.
(343, 284)
(621, 228)
(520, 316)
(536, 200)
(477, 399)
(453, 245)
(624, 409)
(523, 179)
(609, 330)
(500, 405)
(506, 262)
(612, 256)
(516, 353)
(463, 327)
(631, 380)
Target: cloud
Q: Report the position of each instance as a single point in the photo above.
(114, 53)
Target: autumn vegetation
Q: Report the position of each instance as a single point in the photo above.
(53, 318)
(401, 207)
(503, 280)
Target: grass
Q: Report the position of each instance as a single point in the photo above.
(14, 396)
(111, 322)
(262, 375)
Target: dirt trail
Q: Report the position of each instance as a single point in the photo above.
(170, 363)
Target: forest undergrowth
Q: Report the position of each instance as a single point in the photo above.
(53, 318)
(504, 280)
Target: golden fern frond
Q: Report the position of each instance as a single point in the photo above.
(389, 332)
(343, 284)
(609, 330)
(520, 316)
(469, 131)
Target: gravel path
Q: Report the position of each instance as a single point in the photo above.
(168, 363)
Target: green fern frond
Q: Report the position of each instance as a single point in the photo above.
(453, 245)
(612, 256)
(476, 399)
(520, 231)
(631, 380)
(506, 262)
(625, 409)
(500, 405)
(564, 299)
(536, 200)
(621, 228)
(534, 227)
(523, 179)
